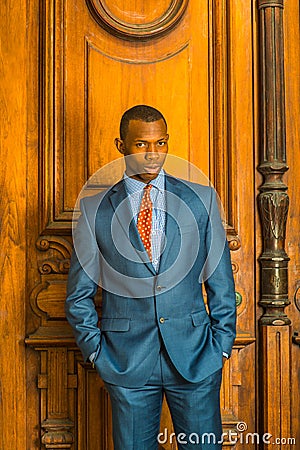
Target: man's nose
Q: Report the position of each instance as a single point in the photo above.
(152, 156)
(152, 152)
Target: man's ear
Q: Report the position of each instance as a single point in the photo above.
(120, 145)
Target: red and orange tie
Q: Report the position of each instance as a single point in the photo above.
(144, 222)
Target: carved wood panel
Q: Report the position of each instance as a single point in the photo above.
(184, 58)
(78, 130)
(137, 20)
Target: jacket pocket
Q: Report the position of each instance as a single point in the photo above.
(200, 318)
(115, 324)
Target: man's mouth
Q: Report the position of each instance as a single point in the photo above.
(152, 169)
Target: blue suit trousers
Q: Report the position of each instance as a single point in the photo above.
(194, 407)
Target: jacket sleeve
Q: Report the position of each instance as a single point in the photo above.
(218, 280)
(82, 287)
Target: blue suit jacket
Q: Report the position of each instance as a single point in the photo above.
(141, 308)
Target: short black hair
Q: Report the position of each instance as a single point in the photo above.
(144, 113)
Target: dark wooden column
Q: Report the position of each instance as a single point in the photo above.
(275, 339)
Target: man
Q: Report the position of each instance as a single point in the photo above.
(151, 241)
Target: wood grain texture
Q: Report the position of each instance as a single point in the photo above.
(12, 220)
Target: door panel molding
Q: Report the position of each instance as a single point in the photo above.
(61, 169)
(140, 23)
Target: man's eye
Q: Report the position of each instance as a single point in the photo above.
(141, 144)
(161, 143)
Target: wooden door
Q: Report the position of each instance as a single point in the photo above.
(88, 61)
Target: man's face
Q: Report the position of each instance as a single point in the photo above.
(145, 148)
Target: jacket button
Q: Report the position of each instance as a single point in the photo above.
(161, 320)
(159, 288)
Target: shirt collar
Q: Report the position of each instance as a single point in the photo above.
(133, 186)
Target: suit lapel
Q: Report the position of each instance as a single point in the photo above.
(121, 205)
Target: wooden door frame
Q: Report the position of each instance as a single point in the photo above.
(13, 92)
(274, 325)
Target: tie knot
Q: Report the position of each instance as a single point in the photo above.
(147, 190)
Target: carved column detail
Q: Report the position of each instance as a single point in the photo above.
(53, 338)
(275, 339)
(273, 200)
(54, 383)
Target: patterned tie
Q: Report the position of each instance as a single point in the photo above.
(144, 222)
